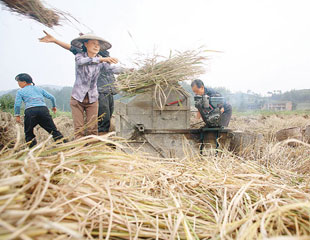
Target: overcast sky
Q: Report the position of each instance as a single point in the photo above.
(265, 43)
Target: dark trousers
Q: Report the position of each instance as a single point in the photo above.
(41, 116)
(226, 115)
(105, 111)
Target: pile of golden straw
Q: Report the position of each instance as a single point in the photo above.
(162, 72)
(34, 9)
(89, 189)
(8, 130)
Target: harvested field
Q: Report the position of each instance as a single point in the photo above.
(64, 125)
(91, 190)
(9, 130)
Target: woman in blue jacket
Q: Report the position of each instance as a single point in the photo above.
(36, 111)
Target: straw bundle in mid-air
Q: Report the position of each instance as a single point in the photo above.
(162, 72)
(34, 9)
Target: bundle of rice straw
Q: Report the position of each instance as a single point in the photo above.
(34, 9)
(8, 130)
(79, 191)
(162, 72)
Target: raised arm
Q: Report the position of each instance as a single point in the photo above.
(51, 39)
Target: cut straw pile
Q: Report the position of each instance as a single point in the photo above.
(8, 130)
(162, 72)
(89, 190)
(34, 9)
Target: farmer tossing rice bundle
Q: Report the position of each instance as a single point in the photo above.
(162, 72)
(34, 9)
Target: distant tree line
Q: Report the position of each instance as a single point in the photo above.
(240, 101)
(297, 96)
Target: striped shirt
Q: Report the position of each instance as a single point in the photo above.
(33, 97)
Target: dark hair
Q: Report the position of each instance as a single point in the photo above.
(83, 46)
(24, 77)
(199, 83)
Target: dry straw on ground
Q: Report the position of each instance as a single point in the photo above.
(268, 125)
(34, 9)
(89, 190)
(8, 130)
(11, 132)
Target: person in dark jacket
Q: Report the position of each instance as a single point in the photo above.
(199, 88)
(105, 83)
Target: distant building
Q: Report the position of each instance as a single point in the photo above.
(278, 106)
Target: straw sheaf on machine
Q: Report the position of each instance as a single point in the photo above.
(162, 72)
(34, 9)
